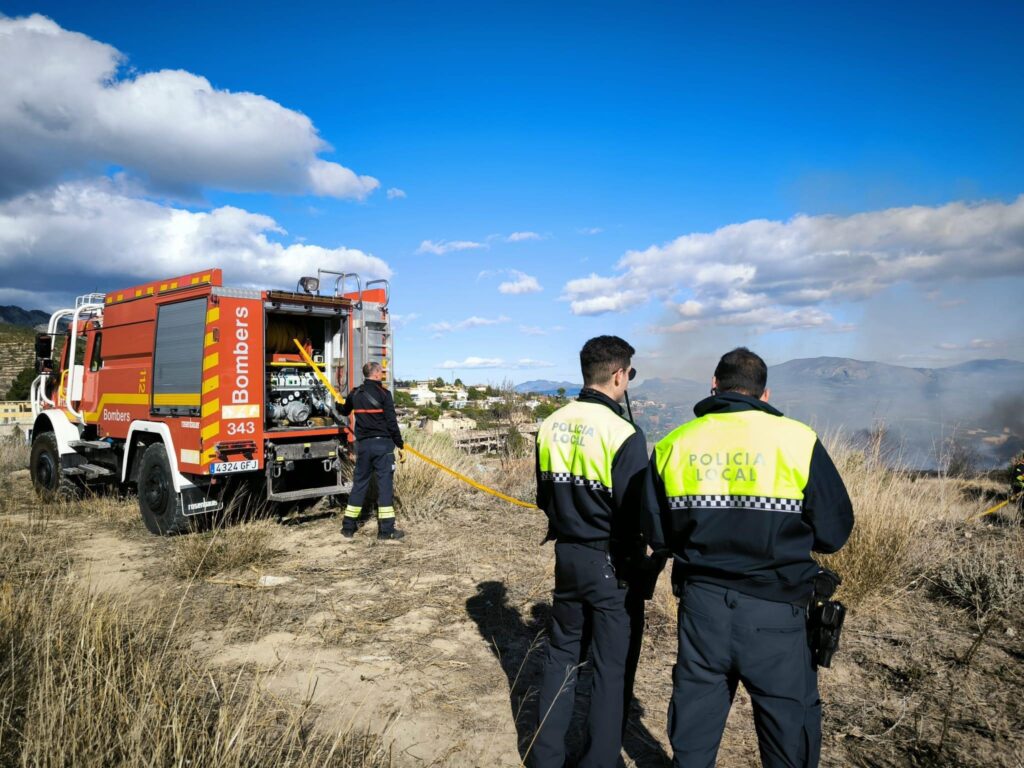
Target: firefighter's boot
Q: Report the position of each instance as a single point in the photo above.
(350, 522)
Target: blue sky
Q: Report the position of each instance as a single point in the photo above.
(816, 179)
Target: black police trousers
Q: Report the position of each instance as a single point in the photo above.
(589, 603)
(726, 637)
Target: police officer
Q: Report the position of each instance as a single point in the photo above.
(377, 436)
(591, 464)
(743, 495)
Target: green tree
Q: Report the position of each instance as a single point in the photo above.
(404, 400)
(476, 394)
(438, 382)
(561, 393)
(20, 386)
(429, 412)
(543, 410)
(458, 383)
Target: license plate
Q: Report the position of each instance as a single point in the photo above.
(223, 467)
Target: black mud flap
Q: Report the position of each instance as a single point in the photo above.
(195, 500)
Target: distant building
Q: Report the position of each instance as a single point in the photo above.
(420, 394)
(447, 423)
(15, 414)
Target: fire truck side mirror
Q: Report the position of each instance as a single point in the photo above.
(44, 345)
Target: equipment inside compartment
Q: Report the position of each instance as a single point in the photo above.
(296, 397)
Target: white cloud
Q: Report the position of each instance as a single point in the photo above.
(394, 193)
(495, 362)
(975, 344)
(519, 237)
(532, 330)
(68, 105)
(773, 274)
(521, 283)
(590, 230)
(474, 362)
(442, 247)
(83, 234)
(403, 320)
(470, 322)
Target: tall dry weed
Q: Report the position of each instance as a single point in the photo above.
(90, 681)
(892, 514)
(14, 452)
(422, 490)
(227, 548)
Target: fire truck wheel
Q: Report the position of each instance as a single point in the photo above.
(48, 476)
(158, 500)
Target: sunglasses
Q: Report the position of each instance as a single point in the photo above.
(632, 373)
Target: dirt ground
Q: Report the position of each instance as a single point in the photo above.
(435, 642)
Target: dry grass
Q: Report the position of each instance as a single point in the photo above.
(14, 452)
(86, 680)
(984, 573)
(421, 490)
(224, 549)
(892, 514)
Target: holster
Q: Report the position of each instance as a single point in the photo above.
(636, 569)
(825, 618)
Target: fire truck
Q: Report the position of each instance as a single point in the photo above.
(188, 392)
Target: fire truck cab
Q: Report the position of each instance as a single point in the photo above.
(189, 392)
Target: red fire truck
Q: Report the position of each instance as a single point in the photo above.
(187, 391)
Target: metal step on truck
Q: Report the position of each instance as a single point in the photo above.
(192, 394)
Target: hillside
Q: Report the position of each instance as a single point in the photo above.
(16, 352)
(28, 318)
(980, 402)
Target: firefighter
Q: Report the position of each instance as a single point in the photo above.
(591, 464)
(377, 436)
(1017, 480)
(741, 496)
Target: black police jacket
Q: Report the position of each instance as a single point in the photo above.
(374, 409)
(581, 510)
(748, 544)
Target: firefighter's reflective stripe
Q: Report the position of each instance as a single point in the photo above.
(367, 410)
(749, 459)
(384, 513)
(578, 442)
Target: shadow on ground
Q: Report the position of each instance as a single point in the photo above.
(519, 647)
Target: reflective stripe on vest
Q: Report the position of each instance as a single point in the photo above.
(744, 460)
(578, 442)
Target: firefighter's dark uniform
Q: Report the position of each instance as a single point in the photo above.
(377, 436)
(591, 464)
(743, 495)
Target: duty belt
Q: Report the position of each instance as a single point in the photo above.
(602, 545)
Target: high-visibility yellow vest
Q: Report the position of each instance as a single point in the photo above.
(578, 442)
(746, 460)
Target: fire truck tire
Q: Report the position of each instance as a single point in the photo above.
(158, 501)
(48, 478)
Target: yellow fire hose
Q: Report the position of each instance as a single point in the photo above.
(339, 399)
(989, 511)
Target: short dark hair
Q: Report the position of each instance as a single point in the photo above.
(602, 356)
(742, 371)
(371, 368)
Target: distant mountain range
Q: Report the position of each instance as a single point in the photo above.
(28, 318)
(980, 403)
(545, 387)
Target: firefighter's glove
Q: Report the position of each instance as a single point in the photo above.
(401, 456)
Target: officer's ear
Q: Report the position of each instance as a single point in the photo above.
(765, 395)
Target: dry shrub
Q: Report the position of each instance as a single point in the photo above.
(90, 681)
(891, 515)
(517, 476)
(14, 452)
(224, 549)
(985, 573)
(421, 489)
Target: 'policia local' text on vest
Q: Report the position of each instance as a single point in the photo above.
(578, 442)
(739, 460)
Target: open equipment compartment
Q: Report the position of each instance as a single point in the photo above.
(296, 398)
